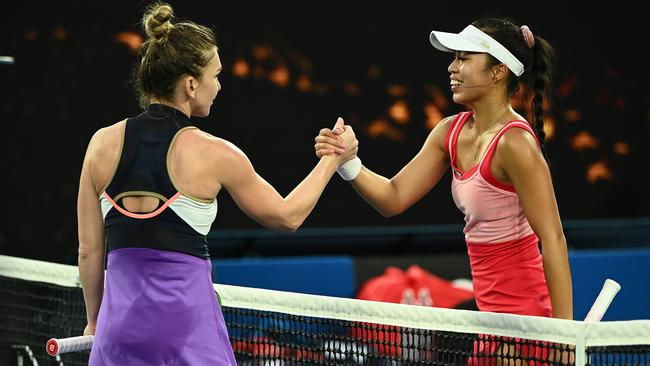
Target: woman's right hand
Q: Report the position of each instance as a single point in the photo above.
(90, 329)
(340, 140)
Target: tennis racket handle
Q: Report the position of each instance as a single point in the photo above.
(56, 346)
(598, 309)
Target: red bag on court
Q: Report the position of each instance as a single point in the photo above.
(414, 286)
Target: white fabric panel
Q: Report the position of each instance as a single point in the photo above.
(198, 215)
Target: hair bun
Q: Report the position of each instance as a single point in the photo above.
(157, 20)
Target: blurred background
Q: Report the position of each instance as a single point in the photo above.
(291, 68)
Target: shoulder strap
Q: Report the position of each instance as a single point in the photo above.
(452, 134)
(486, 161)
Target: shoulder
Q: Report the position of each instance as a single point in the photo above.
(107, 137)
(518, 146)
(442, 128)
(207, 145)
(517, 139)
(438, 136)
(445, 124)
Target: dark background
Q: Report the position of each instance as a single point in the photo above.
(71, 78)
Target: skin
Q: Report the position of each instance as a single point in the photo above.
(201, 166)
(518, 161)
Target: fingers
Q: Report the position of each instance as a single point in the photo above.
(328, 148)
(329, 142)
(334, 141)
(347, 130)
(339, 125)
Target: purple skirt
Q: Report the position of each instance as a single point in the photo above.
(159, 308)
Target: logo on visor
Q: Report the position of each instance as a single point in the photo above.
(485, 44)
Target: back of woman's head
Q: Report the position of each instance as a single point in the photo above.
(171, 51)
(537, 56)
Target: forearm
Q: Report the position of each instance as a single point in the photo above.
(378, 191)
(91, 274)
(558, 278)
(303, 198)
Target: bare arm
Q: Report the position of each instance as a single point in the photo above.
(393, 196)
(524, 165)
(91, 240)
(260, 201)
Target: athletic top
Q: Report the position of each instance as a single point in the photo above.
(507, 269)
(180, 223)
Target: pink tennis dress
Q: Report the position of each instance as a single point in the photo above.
(506, 263)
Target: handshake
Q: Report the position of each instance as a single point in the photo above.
(341, 142)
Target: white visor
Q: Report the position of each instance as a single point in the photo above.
(472, 39)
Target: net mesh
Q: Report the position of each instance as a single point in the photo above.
(40, 300)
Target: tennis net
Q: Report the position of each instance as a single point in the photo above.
(40, 300)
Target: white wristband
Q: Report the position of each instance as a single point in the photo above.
(350, 169)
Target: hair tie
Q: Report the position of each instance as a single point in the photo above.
(528, 36)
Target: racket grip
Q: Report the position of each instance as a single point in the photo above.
(607, 293)
(57, 346)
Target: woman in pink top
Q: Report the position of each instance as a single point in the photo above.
(501, 180)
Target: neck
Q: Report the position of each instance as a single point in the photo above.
(486, 116)
(183, 107)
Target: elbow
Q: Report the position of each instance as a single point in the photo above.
(286, 227)
(289, 228)
(287, 223)
(557, 238)
(291, 225)
(386, 214)
(87, 251)
(389, 210)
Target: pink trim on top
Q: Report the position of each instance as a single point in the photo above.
(142, 216)
(450, 131)
(458, 124)
(486, 162)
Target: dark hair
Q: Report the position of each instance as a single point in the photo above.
(172, 50)
(538, 63)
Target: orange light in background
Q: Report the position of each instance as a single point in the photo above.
(522, 99)
(59, 33)
(439, 99)
(351, 89)
(31, 35)
(304, 84)
(381, 127)
(280, 76)
(374, 72)
(622, 148)
(397, 91)
(549, 128)
(584, 140)
(433, 115)
(567, 86)
(572, 115)
(131, 40)
(261, 52)
(240, 68)
(400, 112)
(598, 171)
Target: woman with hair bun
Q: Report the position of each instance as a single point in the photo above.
(147, 197)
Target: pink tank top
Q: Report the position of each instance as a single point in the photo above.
(507, 270)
